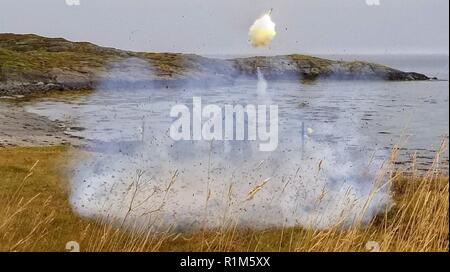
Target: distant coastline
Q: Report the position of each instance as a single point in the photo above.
(31, 63)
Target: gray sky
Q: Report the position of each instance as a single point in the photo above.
(213, 27)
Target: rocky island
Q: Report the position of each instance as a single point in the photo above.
(31, 63)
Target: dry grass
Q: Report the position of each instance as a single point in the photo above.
(36, 216)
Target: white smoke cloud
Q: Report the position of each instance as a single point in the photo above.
(145, 177)
(262, 32)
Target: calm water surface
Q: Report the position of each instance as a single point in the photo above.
(364, 116)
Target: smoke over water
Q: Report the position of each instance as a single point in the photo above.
(136, 173)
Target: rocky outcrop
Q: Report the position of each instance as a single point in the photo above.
(30, 63)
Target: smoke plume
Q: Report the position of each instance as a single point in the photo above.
(136, 174)
(262, 32)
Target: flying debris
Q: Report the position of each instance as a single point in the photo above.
(262, 32)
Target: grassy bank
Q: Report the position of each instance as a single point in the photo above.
(35, 215)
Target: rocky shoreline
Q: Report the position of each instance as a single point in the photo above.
(21, 128)
(31, 63)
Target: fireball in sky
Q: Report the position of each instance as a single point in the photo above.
(262, 31)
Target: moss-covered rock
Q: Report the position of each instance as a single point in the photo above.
(33, 63)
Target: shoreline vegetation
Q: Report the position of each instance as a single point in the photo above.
(36, 216)
(31, 63)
